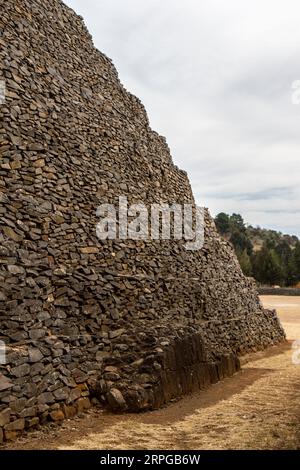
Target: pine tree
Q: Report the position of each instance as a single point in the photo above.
(222, 223)
(267, 267)
(245, 263)
(277, 262)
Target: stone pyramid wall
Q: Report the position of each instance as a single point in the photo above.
(133, 323)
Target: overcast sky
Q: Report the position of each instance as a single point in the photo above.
(216, 79)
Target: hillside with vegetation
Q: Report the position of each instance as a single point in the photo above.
(271, 257)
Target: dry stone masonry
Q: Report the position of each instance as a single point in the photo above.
(133, 324)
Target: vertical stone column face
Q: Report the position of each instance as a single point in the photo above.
(134, 323)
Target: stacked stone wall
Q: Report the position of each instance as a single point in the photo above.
(133, 323)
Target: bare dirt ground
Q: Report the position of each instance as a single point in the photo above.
(259, 408)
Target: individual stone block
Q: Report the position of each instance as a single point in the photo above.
(5, 417)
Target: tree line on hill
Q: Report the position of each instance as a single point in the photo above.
(269, 256)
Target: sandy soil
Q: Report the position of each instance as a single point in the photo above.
(288, 309)
(259, 408)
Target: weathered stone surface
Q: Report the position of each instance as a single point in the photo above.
(11, 234)
(57, 415)
(32, 422)
(61, 394)
(37, 333)
(116, 400)
(13, 269)
(17, 405)
(116, 333)
(74, 395)
(5, 417)
(17, 425)
(83, 404)
(35, 355)
(69, 411)
(46, 398)
(89, 250)
(11, 435)
(5, 383)
(21, 371)
(28, 412)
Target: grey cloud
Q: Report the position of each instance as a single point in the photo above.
(257, 195)
(216, 80)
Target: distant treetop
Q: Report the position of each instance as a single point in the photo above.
(269, 256)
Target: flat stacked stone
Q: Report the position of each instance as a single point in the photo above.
(134, 323)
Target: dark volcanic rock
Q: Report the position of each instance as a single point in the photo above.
(160, 320)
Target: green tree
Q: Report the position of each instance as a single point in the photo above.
(272, 239)
(277, 262)
(241, 241)
(222, 223)
(293, 267)
(245, 263)
(237, 223)
(296, 256)
(285, 256)
(292, 273)
(266, 266)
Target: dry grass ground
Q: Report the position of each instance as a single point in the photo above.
(258, 408)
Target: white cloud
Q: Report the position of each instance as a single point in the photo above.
(215, 78)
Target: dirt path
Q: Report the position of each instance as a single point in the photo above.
(258, 408)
